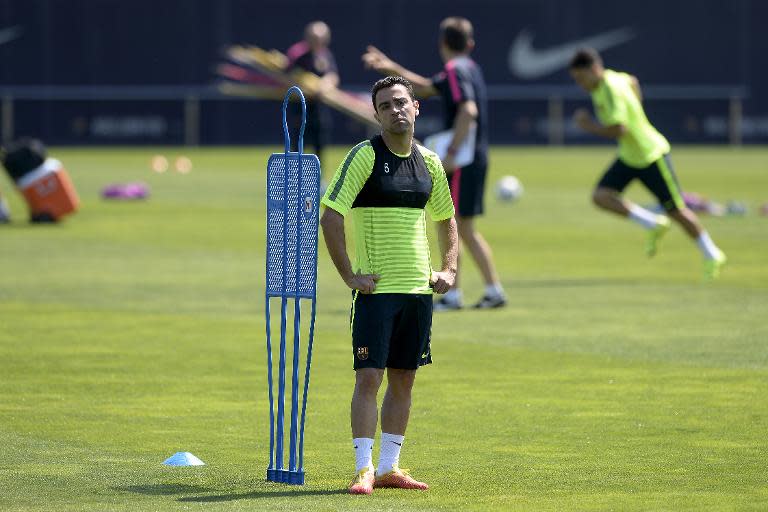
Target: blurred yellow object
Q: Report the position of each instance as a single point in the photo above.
(274, 64)
(182, 164)
(158, 163)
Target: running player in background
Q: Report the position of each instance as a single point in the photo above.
(643, 155)
(462, 88)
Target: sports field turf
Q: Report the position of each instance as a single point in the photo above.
(611, 382)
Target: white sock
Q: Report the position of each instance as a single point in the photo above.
(645, 218)
(453, 295)
(494, 290)
(389, 455)
(707, 246)
(363, 452)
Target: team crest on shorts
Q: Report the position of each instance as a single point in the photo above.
(362, 353)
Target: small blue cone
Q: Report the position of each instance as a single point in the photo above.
(183, 459)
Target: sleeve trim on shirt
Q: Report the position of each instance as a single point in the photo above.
(453, 82)
(343, 174)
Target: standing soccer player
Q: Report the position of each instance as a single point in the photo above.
(387, 183)
(462, 88)
(643, 155)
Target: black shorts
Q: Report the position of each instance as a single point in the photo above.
(391, 330)
(467, 189)
(659, 178)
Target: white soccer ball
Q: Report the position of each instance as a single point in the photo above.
(509, 189)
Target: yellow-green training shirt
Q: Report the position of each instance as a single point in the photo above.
(616, 102)
(388, 194)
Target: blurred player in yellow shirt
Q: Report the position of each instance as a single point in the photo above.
(643, 155)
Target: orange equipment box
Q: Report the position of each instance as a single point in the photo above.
(48, 190)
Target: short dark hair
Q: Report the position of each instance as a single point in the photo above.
(386, 83)
(456, 32)
(585, 58)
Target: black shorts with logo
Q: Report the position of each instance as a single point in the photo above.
(391, 330)
(659, 178)
(467, 186)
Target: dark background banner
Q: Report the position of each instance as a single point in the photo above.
(694, 58)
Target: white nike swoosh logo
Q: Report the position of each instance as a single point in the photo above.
(9, 34)
(527, 62)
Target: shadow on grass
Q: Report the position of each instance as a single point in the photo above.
(260, 494)
(163, 489)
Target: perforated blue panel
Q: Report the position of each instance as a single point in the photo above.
(292, 222)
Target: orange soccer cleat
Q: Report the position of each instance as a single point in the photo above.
(400, 479)
(363, 482)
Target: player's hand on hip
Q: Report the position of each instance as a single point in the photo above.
(366, 283)
(582, 118)
(441, 282)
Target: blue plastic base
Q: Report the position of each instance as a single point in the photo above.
(285, 476)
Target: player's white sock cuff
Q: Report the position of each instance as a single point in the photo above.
(645, 218)
(494, 290)
(389, 455)
(707, 246)
(363, 452)
(453, 295)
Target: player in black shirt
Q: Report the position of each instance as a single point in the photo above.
(462, 87)
(313, 54)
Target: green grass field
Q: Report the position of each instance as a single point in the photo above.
(611, 382)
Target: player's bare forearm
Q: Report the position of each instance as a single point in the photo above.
(335, 239)
(376, 59)
(422, 86)
(448, 238)
(465, 116)
(586, 122)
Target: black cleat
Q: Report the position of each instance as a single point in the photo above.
(443, 304)
(490, 302)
